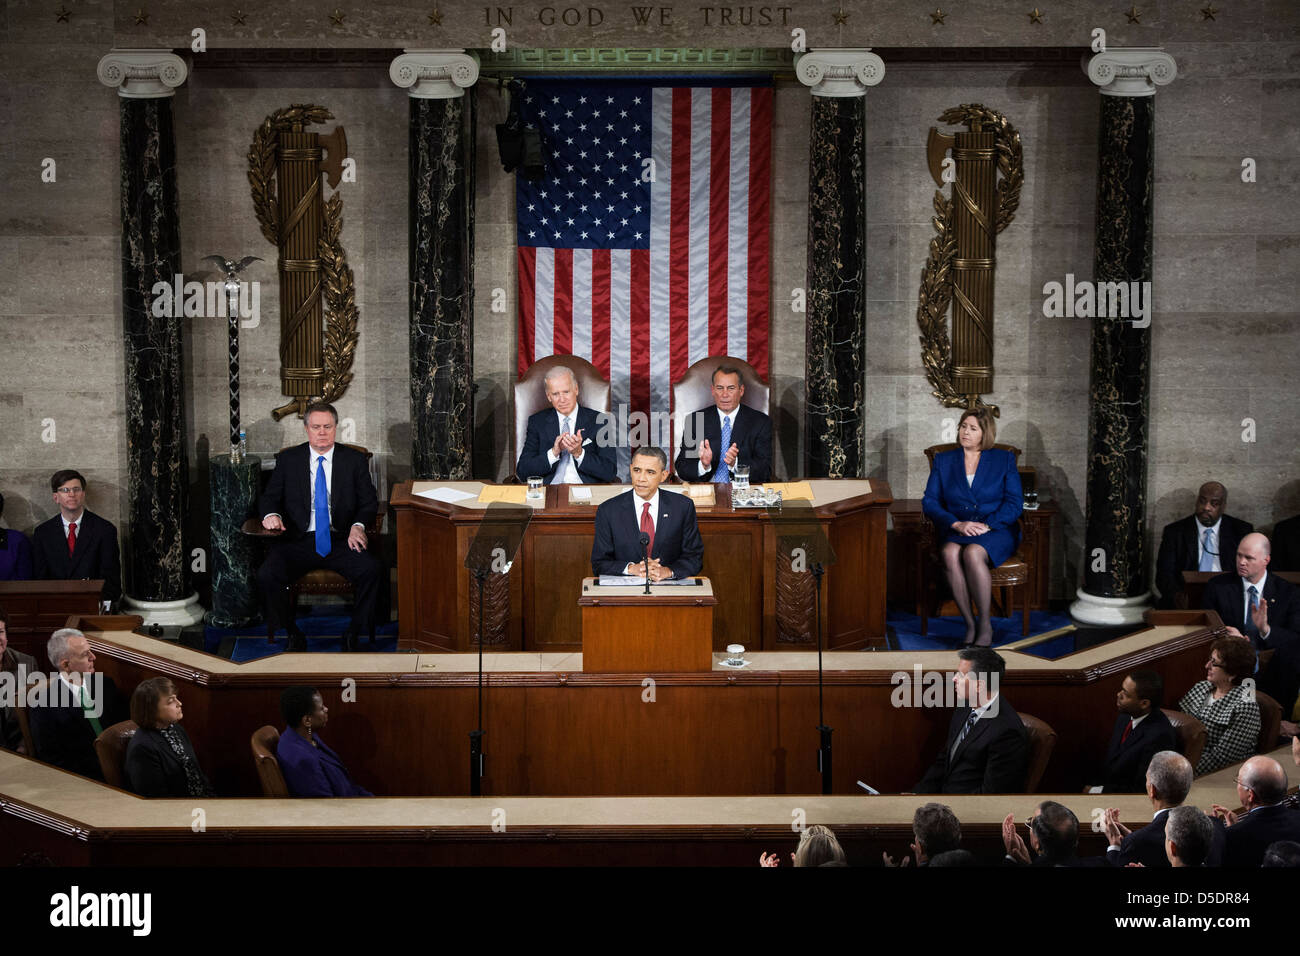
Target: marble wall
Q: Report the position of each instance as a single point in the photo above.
(1224, 335)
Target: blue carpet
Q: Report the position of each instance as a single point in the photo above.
(322, 632)
(947, 633)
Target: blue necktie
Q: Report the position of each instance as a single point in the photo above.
(970, 722)
(565, 457)
(1207, 551)
(1250, 630)
(322, 510)
(723, 474)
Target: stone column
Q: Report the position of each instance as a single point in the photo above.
(157, 563)
(837, 234)
(1116, 588)
(441, 258)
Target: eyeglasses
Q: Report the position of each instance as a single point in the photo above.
(70, 491)
(1213, 663)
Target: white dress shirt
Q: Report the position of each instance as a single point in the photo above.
(719, 454)
(1246, 585)
(637, 502)
(566, 474)
(1218, 544)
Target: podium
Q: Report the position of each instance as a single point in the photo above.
(625, 630)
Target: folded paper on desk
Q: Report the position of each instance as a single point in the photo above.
(508, 494)
(791, 490)
(629, 580)
(448, 495)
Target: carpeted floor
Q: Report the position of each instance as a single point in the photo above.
(946, 633)
(322, 630)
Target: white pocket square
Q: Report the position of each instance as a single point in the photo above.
(586, 443)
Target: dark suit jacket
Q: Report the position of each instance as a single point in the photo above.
(1286, 545)
(751, 433)
(1251, 835)
(20, 665)
(598, 465)
(95, 557)
(63, 735)
(1146, 845)
(677, 536)
(288, 493)
(314, 771)
(1281, 678)
(1125, 769)
(993, 758)
(1178, 550)
(154, 770)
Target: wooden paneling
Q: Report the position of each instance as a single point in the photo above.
(36, 609)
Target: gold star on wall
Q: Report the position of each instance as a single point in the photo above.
(239, 17)
(337, 16)
(841, 17)
(1134, 16)
(141, 18)
(1035, 15)
(61, 15)
(435, 18)
(937, 17)
(1208, 12)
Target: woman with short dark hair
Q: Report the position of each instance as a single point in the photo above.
(1228, 710)
(309, 767)
(160, 760)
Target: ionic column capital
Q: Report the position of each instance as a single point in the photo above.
(839, 72)
(1132, 72)
(434, 74)
(142, 74)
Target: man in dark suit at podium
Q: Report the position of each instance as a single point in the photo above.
(76, 544)
(320, 495)
(1203, 541)
(666, 518)
(560, 446)
(986, 750)
(732, 433)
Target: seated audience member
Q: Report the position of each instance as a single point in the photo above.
(78, 706)
(1168, 780)
(666, 518)
(1053, 838)
(1282, 853)
(935, 830)
(954, 858)
(309, 767)
(817, 847)
(1203, 541)
(986, 749)
(1228, 710)
(1141, 731)
(561, 446)
(76, 544)
(1286, 545)
(974, 498)
(726, 433)
(1189, 837)
(1264, 609)
(15, 553)
(160, 760)
(19, 665)
(1261, 788)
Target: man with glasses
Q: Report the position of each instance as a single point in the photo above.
(76, 544)
(1203, 541)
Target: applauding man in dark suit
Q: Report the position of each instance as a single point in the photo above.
(560, 446)
(666, 518)
(731, 433)
(76, 544)
(320, 495)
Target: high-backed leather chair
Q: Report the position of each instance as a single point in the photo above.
(1270, 721)
(264, 741)
(530, 393)
(110, 748)
(694, 390)
(1009, 577)
(1191, 734)
(1042, 741)
(324, 581)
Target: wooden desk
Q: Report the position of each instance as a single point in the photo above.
(37, 609)
(762, 603)
(553, 730)
(913, 532)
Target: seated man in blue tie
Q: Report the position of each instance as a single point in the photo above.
(1203, 541)
(560, 446)
(320, 495)
(727, 433)
(1264, 609)
(667, 519)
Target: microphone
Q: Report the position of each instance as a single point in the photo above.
(645, 546)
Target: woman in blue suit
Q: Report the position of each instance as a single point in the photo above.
(974, 498)
(310, 768)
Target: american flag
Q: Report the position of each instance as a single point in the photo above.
(645, 247)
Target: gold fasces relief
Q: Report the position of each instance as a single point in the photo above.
(284, 167)
(961, 264)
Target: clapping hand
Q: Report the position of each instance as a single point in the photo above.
(732, 454)
(1015, 846)
(1115, 831)
(706, 455)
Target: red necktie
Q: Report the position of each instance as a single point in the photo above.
(72, 538)
(648, 525)
(1124, 736)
